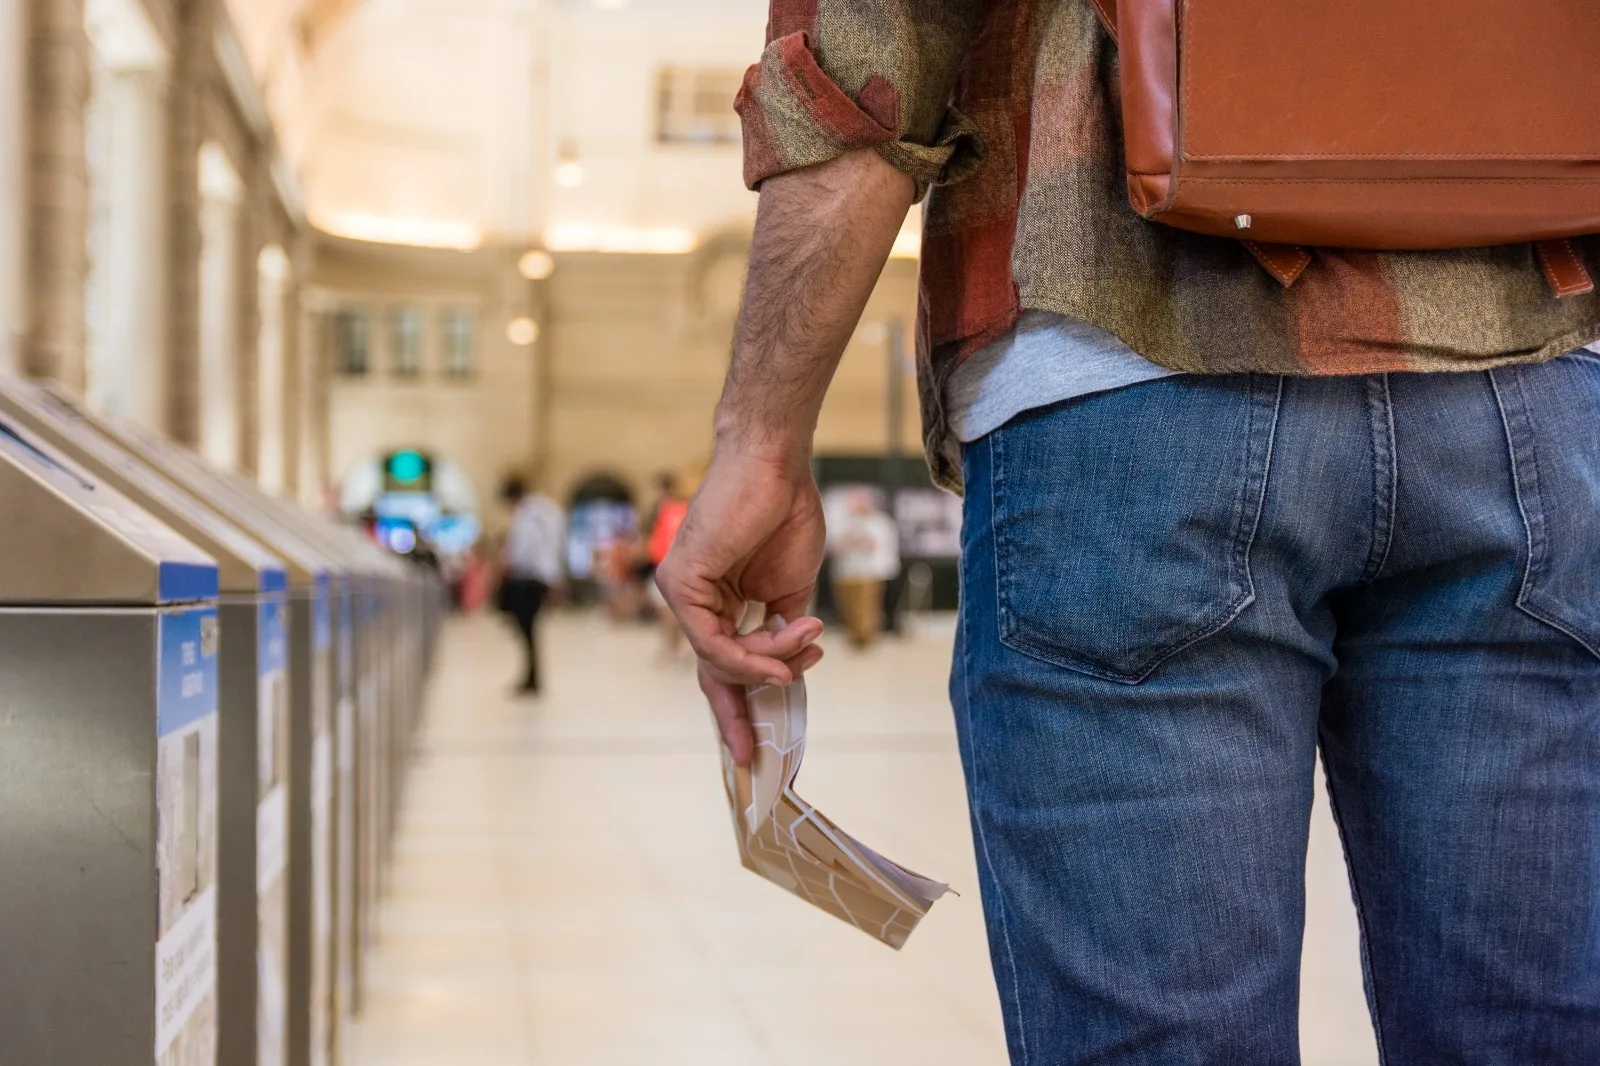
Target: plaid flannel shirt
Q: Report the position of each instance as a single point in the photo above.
(1008, 110)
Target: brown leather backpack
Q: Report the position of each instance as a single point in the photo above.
(1378, 124)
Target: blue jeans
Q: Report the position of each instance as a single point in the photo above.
(1174, 595)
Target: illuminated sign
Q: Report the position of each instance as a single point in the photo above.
(408, 471)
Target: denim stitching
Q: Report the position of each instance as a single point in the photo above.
(1525, 467)
(1254, 482)
(1385, 489)
(1361, 918)
(1239, 572)
(997, 477)
(1258, 486)
(975, 787)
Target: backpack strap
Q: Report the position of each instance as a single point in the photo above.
(1107, 10)
(1563, 269)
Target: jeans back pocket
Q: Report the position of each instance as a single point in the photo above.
(1552, 417)
(1123, 521)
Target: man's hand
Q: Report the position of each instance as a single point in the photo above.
(754, 534)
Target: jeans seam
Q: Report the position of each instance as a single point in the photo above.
(1385, 477)
(1257, 484)
(976, 786)
(1361, 919)
(997, 477)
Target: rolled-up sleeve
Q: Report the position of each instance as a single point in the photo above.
(840, 75)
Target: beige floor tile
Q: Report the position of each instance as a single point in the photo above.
(565, 889)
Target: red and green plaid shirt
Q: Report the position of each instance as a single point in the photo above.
(1008, 110)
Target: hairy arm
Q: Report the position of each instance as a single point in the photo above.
(754, 532)
(822, 237)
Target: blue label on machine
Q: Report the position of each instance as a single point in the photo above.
(188, 669)
(322, 613)
(180, 582)
(274, 635)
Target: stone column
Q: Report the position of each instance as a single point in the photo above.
(192, 68)
(315, 372)
(272, 467)
(247, 310)
(296, 372)
(58, 197)
(218, 308)
(128, 336)
(14, 150)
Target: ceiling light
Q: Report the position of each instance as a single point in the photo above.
(609, 5)
(420, 232)
(522, 331)
(536, 265)
(664, 240)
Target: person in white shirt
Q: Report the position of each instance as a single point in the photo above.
(865, 547)
(532, 562)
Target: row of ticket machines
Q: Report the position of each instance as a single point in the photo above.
(206, 697)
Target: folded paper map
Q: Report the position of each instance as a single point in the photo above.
(790, 843)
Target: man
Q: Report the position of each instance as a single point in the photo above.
(532, 562)
(1178, 588)
(865, 547)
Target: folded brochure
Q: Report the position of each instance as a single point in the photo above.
(792, 844)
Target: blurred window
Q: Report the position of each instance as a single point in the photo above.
(694, 105)
(460, 342)
(405, 342)
(352, 333)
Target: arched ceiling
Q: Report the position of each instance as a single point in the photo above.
(443, 121)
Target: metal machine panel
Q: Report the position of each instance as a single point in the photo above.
(250, 896)
(108, 798)
(69, 539)
(363, 715)
(320, 680)
(108, 774)
(241, 561)
(379, 630)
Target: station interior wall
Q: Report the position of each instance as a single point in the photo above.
(193, 192)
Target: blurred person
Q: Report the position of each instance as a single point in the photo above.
(531, 560)
(664, 521)
(1212, 526)
(865, 549)
(474, 583)
(618, 564)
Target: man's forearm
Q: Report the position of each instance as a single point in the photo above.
(822, 236)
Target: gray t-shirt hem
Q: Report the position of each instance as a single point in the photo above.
(1046, 359)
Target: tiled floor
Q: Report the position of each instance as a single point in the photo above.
(565, 890)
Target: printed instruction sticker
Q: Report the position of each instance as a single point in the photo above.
(186, 975)
(272, 831)
(321, 895)
(186, 837)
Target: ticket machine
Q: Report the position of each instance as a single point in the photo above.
(253, 796)
(109, 641)
(318, 678)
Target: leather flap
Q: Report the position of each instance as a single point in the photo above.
(1563, 269)
(1283, 261)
